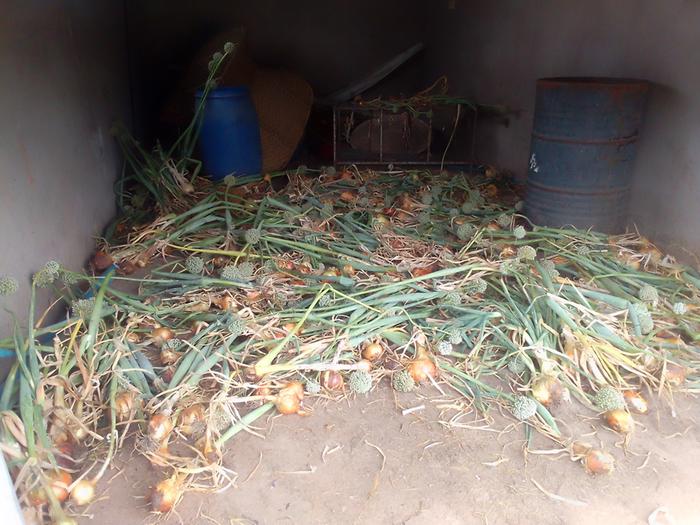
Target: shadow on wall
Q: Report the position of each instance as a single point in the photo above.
(660, 180)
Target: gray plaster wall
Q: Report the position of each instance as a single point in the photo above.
(63, 81)
(496, 50)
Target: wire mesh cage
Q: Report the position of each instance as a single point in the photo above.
(437, 134)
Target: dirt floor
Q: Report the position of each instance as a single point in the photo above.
(362, 461)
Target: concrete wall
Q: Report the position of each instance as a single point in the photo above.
(329, 43)
(496, 50)
(63, 81)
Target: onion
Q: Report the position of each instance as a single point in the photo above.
(133, 337)
(348, 269)
(191, 419)
(60, 480)
(65, 452)
(636, 402)
(288, 404)
(675, 374)
(289, 327)
(166, 494)
(168, 356)
(124, 405)
(167, 374)
(364, 364)
(619, 420)
(225, 302)
(159, 427)
(220, 261)
(598, 462)
(294, 388)
(162, 334)
(83, 492)
(547, 390)
(372, 351)
(347, 196)
(507, 252)
(332, 380)
(101, 261)
(422, 367)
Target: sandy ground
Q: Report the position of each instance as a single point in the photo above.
(380, 466)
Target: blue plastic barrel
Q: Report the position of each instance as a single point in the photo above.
(583, 146)
(229, 139)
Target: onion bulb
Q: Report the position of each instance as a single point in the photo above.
(161, 335)
(83, 492)
(166, 494)
(364, 364)
(167, 374)
(332, 272)
(294, 388)
(168, 356)
(225, 302)
(619, 420)
(287, 404)
(372, 352)
(348, 270)
(598, 462)
(507, 251)
(58, 481)
(422, 367)
(332, 380)
(288, 400)
(675, 374)
(159, 427)
(191, 419)
(124, 405)
(636, 402)
(547, 390)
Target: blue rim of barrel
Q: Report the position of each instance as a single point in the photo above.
(223, 92)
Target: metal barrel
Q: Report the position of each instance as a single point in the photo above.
(583, 146)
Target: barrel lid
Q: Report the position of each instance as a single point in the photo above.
(595, 82)
(224, 92)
